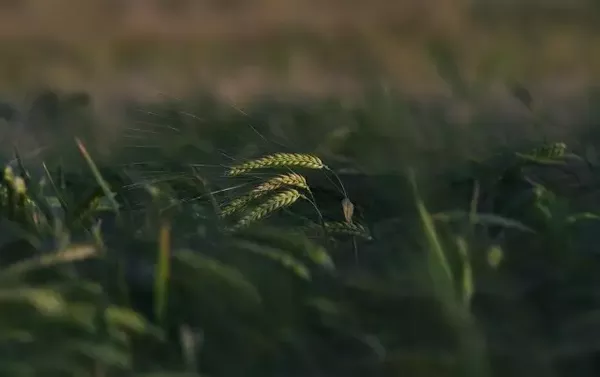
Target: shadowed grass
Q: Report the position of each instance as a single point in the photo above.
(487, 268)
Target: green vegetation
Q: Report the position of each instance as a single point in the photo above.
(299, 237)
(308, 238)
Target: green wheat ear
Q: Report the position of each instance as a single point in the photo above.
(549, 153)
(551, 150)
(280, 200)
(284, 180)
(278, 160)
(346, 228)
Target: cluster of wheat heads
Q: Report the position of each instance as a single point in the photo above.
(281, 191)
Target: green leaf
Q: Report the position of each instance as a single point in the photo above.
(106, 354)
(319, 255)
(582, 216)
(440, 267)
(59, 195)
(101, 181)
(126, 318)
(288, 242)
(45, 301)
(467, 273)
(72, 254)
(214, 269)
(280, 256)
(483, 219)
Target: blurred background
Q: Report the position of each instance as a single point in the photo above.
(240, 47)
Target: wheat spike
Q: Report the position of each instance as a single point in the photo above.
(552, 150)
(351, 229)
(278, 160)
(279, 200)
(551, 153)
(291, 179)
(235, 205)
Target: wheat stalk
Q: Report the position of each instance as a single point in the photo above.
(279, 200)
(291, 179)
(278, 160)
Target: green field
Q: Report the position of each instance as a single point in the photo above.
(380, 189)
(165, 248)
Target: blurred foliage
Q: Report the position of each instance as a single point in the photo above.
(241, 48)
(481, 257)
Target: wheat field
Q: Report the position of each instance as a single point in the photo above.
(298, 188)
(240, 48)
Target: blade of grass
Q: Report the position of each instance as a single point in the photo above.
(57, 192)
(467, 286)
(472, 346)
(101, 181)
(163, 268)
(474, 204)
(482, 219)
(23, 171)
(74, 253)
(437, 258)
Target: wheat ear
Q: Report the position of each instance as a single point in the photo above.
(552, 150)
(291, 180)
(278, 160)
(351, 229)
(279, 200)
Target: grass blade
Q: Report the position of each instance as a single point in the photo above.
(101, 181)
(437, 257)
(467, 283)
(74, 253)
(163, 268)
